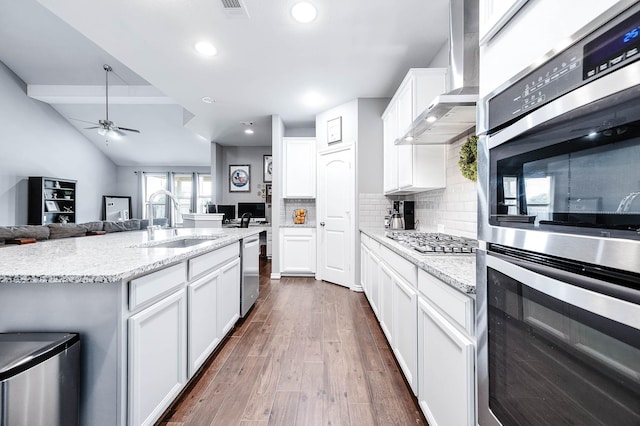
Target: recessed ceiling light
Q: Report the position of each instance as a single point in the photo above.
(408, 138)
(248, 131)
(304, 12)
(313, 99)
(431, 119)
(208, 100)
(205, 48)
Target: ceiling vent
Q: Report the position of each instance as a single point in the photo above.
(235, 8)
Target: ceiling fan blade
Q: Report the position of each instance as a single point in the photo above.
(129, 130)
(94, 127)
(116, 131)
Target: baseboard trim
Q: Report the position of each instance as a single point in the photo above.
(275, 276)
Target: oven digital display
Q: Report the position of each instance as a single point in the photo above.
(617, 47)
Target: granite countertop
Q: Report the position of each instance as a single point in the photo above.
(108, 258)
(457, 270)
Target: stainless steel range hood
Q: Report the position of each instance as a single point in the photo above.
(453, 114)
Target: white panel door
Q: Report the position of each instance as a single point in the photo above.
(336, 195)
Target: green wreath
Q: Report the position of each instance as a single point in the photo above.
(469, 158)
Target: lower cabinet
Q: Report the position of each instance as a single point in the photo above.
(446, 379)
(446, 353)
(430, 328)
(179, 316)
(405, 327)
(157, 357)
(297, 251)
(203, 321)
(228, 306)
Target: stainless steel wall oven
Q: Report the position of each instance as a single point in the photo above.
(558, 303)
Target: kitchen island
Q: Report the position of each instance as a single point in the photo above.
(149, 310)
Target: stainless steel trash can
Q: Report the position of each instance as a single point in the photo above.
(39, 379)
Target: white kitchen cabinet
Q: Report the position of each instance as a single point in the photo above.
(386, 301)
(370, 272)
(203, 323)
(405, 327)
(298, 251)
(228, 297)
(157, 363)
(413, 168)
(299, 168)
(446, 353)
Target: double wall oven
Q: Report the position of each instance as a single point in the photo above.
(558, 303)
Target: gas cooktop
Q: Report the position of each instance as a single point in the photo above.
(434, 243)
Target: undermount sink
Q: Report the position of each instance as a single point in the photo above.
(181, 243)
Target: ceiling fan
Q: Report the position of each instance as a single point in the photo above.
(107, 127)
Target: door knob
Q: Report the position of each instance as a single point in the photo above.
(321, 223)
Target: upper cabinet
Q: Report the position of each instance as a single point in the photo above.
(299, 173)
(413, 168)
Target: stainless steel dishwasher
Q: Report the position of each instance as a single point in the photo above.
(250, 273)
(39, 379)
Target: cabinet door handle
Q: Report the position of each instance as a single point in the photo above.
(321, 223)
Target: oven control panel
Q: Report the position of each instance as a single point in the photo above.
(612, 46)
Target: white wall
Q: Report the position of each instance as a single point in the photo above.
(540, 26)
(369, 147)
(349, 113)
(36, 141)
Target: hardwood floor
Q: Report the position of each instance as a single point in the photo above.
(309, 353)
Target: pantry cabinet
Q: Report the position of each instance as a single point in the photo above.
(413, 168)
(299, 167)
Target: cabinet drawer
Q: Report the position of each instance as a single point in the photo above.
(404, 268)
(451, 302)
(150, 287)
(209, 261)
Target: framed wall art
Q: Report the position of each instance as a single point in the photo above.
(240, 178)
(334, 130)
(267, 168)
(51, 206)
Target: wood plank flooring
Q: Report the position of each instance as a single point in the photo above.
(309, 353)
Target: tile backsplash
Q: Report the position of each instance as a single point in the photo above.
(454, 207)
(288, 206)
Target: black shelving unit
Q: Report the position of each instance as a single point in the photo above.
(51, 200)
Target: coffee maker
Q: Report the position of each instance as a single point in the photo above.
(407, 212)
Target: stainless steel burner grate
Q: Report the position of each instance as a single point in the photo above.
(434, 243)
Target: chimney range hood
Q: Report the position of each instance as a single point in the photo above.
(453, 114)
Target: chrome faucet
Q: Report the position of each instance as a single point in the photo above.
(151, 227)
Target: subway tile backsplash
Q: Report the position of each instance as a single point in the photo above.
(288, 206)
(454, 207)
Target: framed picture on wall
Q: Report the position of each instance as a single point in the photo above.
(240, 178)
(334, 130)
(268, 168)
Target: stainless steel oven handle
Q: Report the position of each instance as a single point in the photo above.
(623, 79)
(609, 307)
